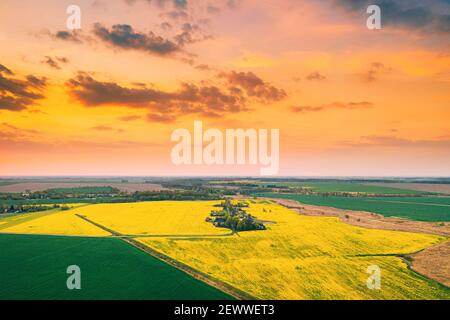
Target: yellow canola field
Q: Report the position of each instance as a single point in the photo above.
(155, 218)
(301, 257)
(51, 222)
(140, 218)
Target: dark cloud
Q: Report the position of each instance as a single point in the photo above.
(209, 100)
(213, 9)
(254, 86)
(166, 26)
(315, 76)
(375, 70)
(5, 70)
(35, 82)
(54, 62)
(18, 94)
(106, 128)
(182, 4)
(190, 33)
(123, 36)
(334, 105)
(203, 67)
(94, 93)
(129, 118)
(73, 36)
(155, 117)
(431, 15)
(176, 15)
(233, 4)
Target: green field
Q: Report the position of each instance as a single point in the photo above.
(342, 187)
(34, 267)
(415, 208)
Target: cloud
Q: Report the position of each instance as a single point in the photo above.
(210, 100)
(18, 94)
(376, 70)
(315, 76)
(181, 4)
(254, 86)
(394, 141)
(164, 118)
(432, 15)
(5, 70)
(73, 36)
(334, 105)
(11, 130)
(203, 67)
(129, 118)
(213, 9)
(106, 128)
(123, 36)
(54, 62)
(233, 4)
(176, 15)
(190, 33)
(94, 93)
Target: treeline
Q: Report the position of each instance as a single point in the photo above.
(175, 195)
(30, 208)
(63, 193)
(43, 197)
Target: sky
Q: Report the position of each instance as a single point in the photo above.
(104, 99)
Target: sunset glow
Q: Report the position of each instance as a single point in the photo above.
(105, 99)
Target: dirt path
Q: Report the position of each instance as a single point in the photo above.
(432, 262)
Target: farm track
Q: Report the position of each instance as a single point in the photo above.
(216, 283)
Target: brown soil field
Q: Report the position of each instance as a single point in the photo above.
(433, 262)
(426, 187)
(368, 219)
(41, 186)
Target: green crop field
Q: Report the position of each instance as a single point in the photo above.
(342, 187)
(415, 208)
(34, 267)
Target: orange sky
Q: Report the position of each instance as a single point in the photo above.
(104, 100)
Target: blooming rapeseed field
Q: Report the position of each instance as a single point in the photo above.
(303, 257)
(137, 218)
(52, 222)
